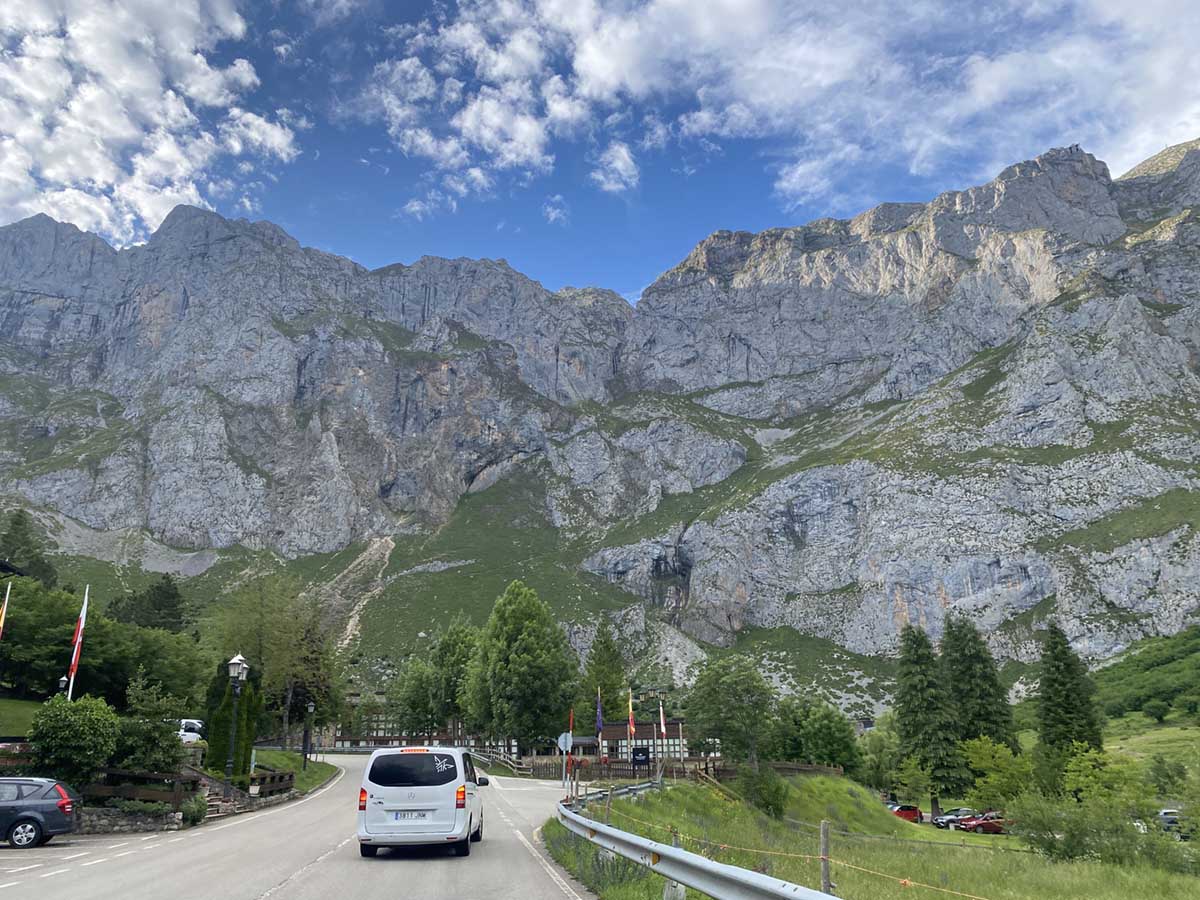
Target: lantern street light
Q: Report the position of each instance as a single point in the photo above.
(238, 670)
(62, 684)
(308, 735)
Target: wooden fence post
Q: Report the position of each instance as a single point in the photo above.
(826, 883)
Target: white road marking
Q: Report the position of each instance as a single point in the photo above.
(10, 884)
(26, 868)
(126, 853)
(174, 840)
(94, 862)
(75, 855)
(320, 859)
(148, 837)
(554, 876)
(242, 820)
(56, 872)
(115, 846)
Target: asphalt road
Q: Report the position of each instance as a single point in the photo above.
(304, 850)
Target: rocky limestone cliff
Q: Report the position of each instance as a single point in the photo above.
(985, 404)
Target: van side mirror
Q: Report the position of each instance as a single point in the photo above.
(483, 781)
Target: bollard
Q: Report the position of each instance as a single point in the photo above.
(826, 883)
(673, 890)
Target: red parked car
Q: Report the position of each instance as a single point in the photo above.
(908, 813)
(988, 823)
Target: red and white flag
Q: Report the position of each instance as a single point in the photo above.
(662, 719)
(77, 645)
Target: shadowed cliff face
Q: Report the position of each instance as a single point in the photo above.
(987, 403)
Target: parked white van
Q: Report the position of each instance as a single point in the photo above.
(420, 795)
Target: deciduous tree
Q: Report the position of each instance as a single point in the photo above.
(731, 702)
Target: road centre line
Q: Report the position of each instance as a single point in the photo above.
(126, 853)
(93, 862)
(10, 884)
(75, 855)
(55, 872)
(26, 868)
(115, 846)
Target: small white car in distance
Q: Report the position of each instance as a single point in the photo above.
(190, 730)
(420, 795)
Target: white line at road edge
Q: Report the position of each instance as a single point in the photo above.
(554, 876)
(313, 796)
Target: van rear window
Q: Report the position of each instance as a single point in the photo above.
(413, 770)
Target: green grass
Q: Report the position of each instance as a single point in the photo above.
(16, 716)
(1147, 518)
(314, 776)
(714, 825)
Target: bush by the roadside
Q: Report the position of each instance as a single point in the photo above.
(73, 740)
(138, 807)
(764, 789)
(195, 808)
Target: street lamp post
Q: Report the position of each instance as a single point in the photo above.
(238, 670)
(62, 684)
(308, 735)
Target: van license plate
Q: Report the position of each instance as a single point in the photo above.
(410, 814)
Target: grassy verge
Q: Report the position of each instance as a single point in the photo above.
(314, 776)
(17, 715)
(732, 832)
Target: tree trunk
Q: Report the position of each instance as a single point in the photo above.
(935, 808)
(287, 715)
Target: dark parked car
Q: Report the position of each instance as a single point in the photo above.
(909, 813)
(954, 816)
(33, 810)
(988, 823)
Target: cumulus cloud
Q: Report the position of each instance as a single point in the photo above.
(617, 170)
(112, 111)
(958, 90)
(555, 210)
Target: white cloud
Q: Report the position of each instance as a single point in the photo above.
(112, 111)
(555, 210)
(329, 12)
(617, 170)
(954, 89)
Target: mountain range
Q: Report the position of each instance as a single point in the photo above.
(795, 443)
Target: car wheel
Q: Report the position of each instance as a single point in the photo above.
(25, 834)
(979, 829)
(367, 850)
(463, 847)
(478, 835)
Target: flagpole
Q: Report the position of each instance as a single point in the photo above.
(78, 642)
(4, 609)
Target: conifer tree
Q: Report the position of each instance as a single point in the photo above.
(925, 717)
(1066, 707)
(20, 547)
(972, 681)
(605, 670)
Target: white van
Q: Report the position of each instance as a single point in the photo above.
(420, 795)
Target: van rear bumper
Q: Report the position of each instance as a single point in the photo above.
(402, 839)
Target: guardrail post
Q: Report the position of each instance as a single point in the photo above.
(826, 883)
(673, 890)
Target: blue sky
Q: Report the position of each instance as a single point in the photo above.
(588, 142)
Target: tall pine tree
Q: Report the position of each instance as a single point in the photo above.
(21, 547)
(605, 670)
(972, 681)
(1066, 706)
(924, 716)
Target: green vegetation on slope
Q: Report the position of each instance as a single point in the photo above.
(314, 776)
(709, 822)
(1147, 518)
(16, 716)
(1158, 668)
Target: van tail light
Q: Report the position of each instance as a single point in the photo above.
(65, 805)
(460, 797)
(362, 799)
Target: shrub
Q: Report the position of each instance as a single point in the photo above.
(195, 808)
(73, 740)
(139, 807)
(1156, 710)
(1115, 709)
(764, 789)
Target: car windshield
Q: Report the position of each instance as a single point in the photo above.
(413, 770)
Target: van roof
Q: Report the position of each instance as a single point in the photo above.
(388, 751)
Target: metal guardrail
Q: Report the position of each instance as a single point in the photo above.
(717, 880)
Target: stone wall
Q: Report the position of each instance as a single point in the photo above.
(97, 820)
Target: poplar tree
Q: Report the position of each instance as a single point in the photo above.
(972, 682)
(1066, 706)
(925, 717)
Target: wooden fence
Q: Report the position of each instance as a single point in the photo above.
(267, 783)
(147, 786)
